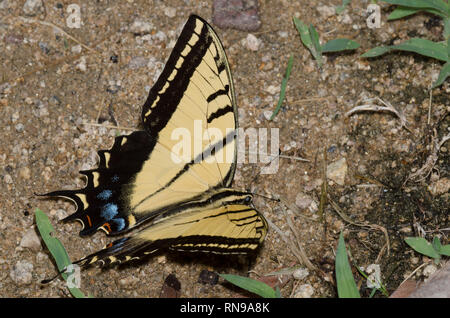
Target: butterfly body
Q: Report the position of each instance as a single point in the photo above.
(169, 200)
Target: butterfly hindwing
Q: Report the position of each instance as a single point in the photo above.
(224, 223)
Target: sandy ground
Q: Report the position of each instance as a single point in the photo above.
(58, 101)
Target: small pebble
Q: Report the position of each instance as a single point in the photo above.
(303, 201)
(7, 178)
(429, 270)
(267, 114)
(337, 171)
(170, 12)
(300, 273)
(304, 291)
(25, 173)
(326, 11)
(76, 49)
(19, 127)
(140, 27)
(4, 4)
(252, 42)
(138, 62)
(273, 89)
(44, 47)
(31, 240)
(160, 36)
(81, 65)
(208, 277)
(128, 282)
(440, 186)
(32, 7)
(41, 257)
(21, 274)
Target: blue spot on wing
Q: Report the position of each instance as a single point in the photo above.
(120, 223)
(104, 195)
(115, 178)
(109, 211)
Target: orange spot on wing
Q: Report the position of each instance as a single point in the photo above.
(89, 220)
(108, 227)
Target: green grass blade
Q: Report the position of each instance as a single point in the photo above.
(424, 47)
(338, 45)
(401, 12)
(283, 87)
(304, 33)
(436, 244)
(55, 247)
(277, 292)
(447, 33)
(421, 246)
(441, 249)
(448, 42)
(376, 51)
(339, 9)
(346, 285)
(438, 5)
(317, 48)
(421, 46)
(310, 39)
(251, 285)
(445, 250)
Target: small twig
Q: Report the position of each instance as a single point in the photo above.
(377, 108)
(296, 246)
(109, 126)
(370, 180)
(296, 249)
(312, 99)
(28, 20)
(426, 169)
(371, 226)
(323, 194)
(279, 156)
(294, 209)
(414, 271)
(429, 107)
(294, 158)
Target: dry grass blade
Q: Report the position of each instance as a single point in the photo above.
(110, 126)
(28, 20)
(323, 191)
(295, 209)
(426, 169)
(387, 107)
(370, 226)
(296, 249)
(56, 62)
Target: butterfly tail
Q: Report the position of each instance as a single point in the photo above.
(120, 251)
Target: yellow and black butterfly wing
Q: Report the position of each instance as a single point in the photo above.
(194, 92)
(181, 199)
(225, 223)
(141, 176)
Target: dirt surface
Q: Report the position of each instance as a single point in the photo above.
(58, 101)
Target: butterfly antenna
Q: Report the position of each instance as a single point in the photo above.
(48, 280)
(266, 197)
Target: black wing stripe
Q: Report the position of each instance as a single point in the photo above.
(219, 113)
(169, 100)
